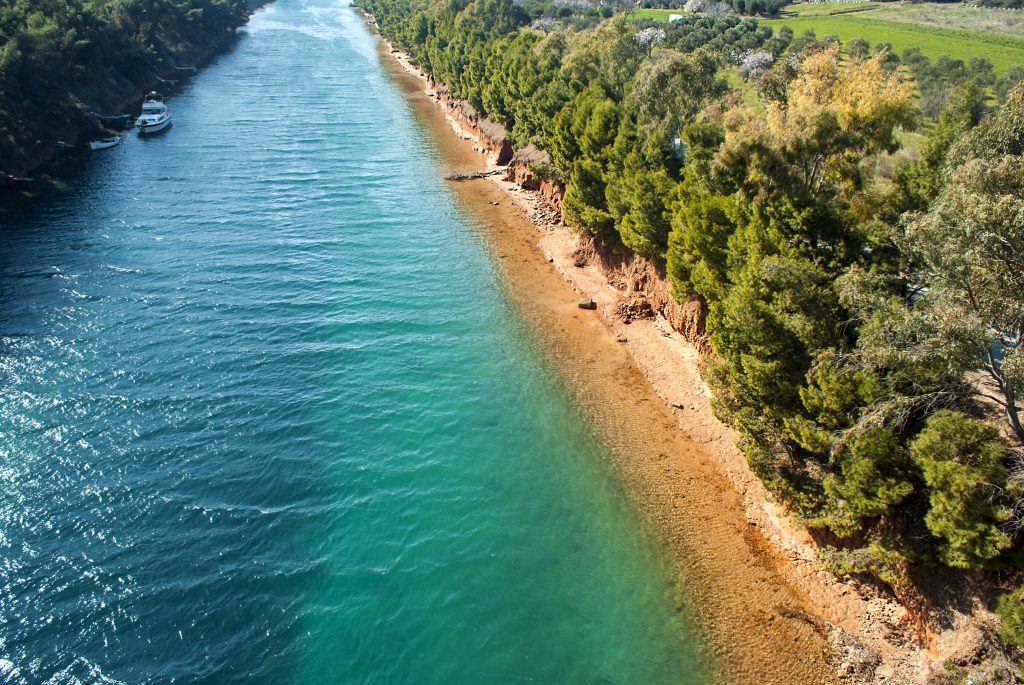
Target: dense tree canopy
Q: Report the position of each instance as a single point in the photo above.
(44, 43)
(62, 61)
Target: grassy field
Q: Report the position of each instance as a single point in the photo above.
(936, 29)
(660, 15)
(1001, 21)
(731, 74)
(945, 16)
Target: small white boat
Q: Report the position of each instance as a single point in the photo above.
(104, 143)
(155, 116)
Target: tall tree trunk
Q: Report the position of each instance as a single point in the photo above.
(1012, 415)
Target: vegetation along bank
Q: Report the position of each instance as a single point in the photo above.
(66, 64)
(863, 303)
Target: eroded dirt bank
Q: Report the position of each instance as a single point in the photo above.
(770, 613)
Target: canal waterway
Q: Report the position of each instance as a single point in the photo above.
(267, 414)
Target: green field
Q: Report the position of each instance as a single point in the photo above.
(954, 30)
(878, 23)
(661, 15)
(954, 16)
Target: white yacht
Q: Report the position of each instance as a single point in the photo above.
(155, 116)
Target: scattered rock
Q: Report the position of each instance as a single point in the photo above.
(633, 309)
(856, 661)
(587, 303)
(883, 672)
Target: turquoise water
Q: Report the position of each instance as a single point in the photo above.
(268, 417)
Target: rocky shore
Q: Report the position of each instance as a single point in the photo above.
(871, 636)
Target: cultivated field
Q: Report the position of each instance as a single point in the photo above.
(936, 29)
(937, 15)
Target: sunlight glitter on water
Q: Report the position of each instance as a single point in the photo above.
(268, 416)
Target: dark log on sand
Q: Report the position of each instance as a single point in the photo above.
(458, 176)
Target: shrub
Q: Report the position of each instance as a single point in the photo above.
(961, 460)
(1011, 609)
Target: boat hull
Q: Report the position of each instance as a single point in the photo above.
(146, 129)
(104, 144)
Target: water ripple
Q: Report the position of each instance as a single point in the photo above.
(266, 418)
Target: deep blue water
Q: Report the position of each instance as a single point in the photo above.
(267, 416)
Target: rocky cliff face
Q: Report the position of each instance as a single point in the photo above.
(645, 288)
(491, 136)
(523, 171)
(646, 292)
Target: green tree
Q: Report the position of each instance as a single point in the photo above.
(858, 48)
(670, 88)
(1011, 609)
(969, 247)
(918, 183)
(1008, 81)
(961, 460)
(584, 202)
(873, 478)
(698, 243)
(608, 57)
